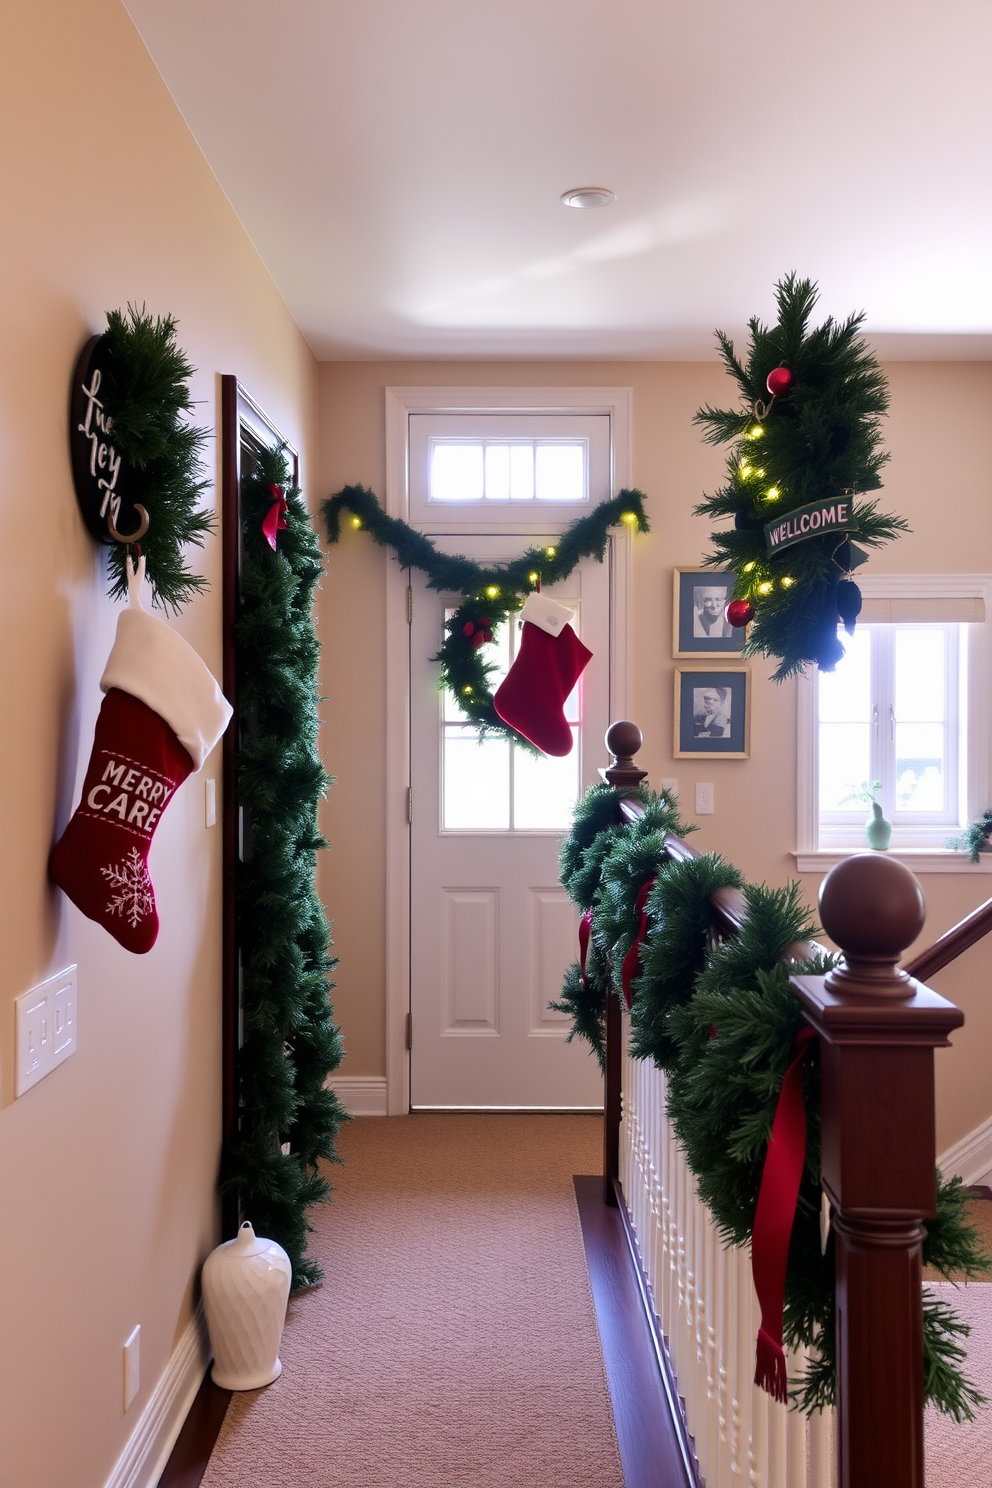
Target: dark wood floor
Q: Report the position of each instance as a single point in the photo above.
(190, 1455)
(655, 1450)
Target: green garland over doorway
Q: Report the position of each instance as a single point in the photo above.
(491, 593)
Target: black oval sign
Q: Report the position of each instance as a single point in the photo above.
(99, 471)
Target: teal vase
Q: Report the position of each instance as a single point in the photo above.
(878, 829)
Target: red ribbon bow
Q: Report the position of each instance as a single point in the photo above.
(585, 930)
(275, 517)
(632, 961)
(774, 1218)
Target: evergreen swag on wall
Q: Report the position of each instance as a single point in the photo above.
(722, 1023)
(491, 593)
(807, 436)
(290, 1043)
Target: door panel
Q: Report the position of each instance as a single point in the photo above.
(492, 932)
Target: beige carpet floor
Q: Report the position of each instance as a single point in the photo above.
(453, 1342)
(961, 1456)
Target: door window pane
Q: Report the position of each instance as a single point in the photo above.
(521, 472)
(476, 781)
(496, 785)
(560, 472)
(457, 472)
(545, 790)
(466, 471)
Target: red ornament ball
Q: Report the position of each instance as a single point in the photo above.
(779, 381)
(739, 613)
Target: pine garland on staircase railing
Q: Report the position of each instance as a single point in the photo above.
(721, 1020)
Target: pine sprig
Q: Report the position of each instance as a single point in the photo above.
(975, 839)
(818, 442)
(492, 593)
(290, 1041)
(146, 394)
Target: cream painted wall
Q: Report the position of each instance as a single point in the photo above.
(107, 1168)
(938, 476)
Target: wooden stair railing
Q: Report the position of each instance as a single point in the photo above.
(878, 1028)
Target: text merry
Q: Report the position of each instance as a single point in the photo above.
(140, 798)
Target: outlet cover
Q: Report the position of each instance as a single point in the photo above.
(210, 803)
(132, 1366)
(46, 1020)
(704, 798)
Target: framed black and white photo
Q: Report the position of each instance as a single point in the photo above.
(712, 714)
(700, 627)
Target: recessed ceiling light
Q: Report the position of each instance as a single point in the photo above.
(588, 196)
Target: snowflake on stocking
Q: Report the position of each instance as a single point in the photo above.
(136, 899)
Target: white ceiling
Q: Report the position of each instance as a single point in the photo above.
(398, 165)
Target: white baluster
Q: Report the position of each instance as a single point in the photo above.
(795, 1423)
(822, 1460)
(724, 1345)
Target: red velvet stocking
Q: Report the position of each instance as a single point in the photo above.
(101, 859)
(532, 695)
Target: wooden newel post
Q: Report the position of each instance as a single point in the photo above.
(878, 1029)
(623, 740)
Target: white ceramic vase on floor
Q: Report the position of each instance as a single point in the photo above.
(245, 1291)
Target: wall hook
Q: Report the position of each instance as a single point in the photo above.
(131, 537)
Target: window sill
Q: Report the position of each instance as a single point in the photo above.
(919, 859)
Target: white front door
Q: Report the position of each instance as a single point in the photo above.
(492, 931)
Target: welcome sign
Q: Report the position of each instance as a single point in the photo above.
(815, 520)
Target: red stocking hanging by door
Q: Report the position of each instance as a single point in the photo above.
(549, 662)
(162, 714)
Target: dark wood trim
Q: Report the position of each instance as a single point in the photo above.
(655, 1448)
(191, 1453)
(612, 1098)
(947, 947)
(230, 559)
(244, 426)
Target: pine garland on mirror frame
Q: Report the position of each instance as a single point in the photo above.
(721, 1022)
(290, 1043)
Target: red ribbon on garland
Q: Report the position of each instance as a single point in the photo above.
(585, 930)
(632, 961)
(774, 1218)
(275, 517)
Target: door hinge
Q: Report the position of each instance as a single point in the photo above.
(409, 604)
(409, 804)
(409, 1030)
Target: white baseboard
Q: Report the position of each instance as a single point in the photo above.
(971, 1158)
(143, 1460)
(361, 1095)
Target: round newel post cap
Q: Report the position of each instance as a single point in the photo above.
(623, 740)
(872, 906)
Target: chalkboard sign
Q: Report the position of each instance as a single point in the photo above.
(99, 472)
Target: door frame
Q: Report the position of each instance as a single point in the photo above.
(401, 402)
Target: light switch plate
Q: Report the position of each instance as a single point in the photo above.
(46, 1020)
(210, 803)
(704, 798)
(670, 785)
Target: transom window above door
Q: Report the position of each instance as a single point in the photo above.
(469, 470)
